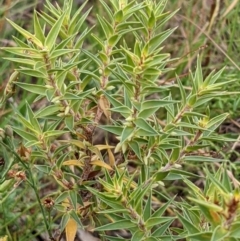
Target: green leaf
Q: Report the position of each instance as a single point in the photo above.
(118, 16)
(148, 207)
(206, 209)
(114, 211)
(188, 225)
(142, 132)
(6, 185)
(34, 144)
(159, 212)
(25, 135)
(59, 52)
(73, 198)
(107, 9)
(181, 173)
(156, 103)
(117, 130)
(216, 121)
(82, 95)
(21, 61)
(25, 122)
(64, 221)
(111, 238)
(137, 196)
(147, 112)
(20, 43)
(182, 91)
(69, 122)
(30, 37)
(75, 216)
(93, 57)
(33, 88)
(62, 197)
(50, 93)
(159, 176)
(53, 33)
(141, 123)
(218, 137)
(131, 8)
(162, 229)
(113, 100)
(43, 168)
(106, 26)
(202, 159)
(65, 42)
(32, 73)
(202, 236)
(215, 181)
(198, 78)
(127, 133)
(94, 76)
(219, 233)
(226, 180)
(138, 235)
(122, 224)
(192, 113)
(122, 109)
(112, 202)
(150, 71)
(54, 10)
(151, 21)
(156, 41)
(62, 157)
(100, 41)
(133, 57)
(211, 79)
(156, 61)
(113, 40)
(79, 42)
(75, 21)
(54, 133)
(135, 147)
(37, 28)
(8, 164)
(150, 239)
(32, 119)
(47, 111)
(25, 52)
(234, 230)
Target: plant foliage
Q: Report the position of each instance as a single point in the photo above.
(100, 138)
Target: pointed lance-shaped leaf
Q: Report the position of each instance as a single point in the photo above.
(54, 32)
(30, 37)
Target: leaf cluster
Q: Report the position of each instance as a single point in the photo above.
(115, 185)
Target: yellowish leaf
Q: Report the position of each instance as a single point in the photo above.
(73, 163)
(101, 164)
(5, 238)
(96, 151)
(105, 106)
(103, 147)
(111, 158)
(77, 143)
(215, 216)
(85, 204)
(71, 229)
(59, 182)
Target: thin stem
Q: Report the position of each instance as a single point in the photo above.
(32, 184)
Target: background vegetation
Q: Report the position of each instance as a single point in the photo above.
(208, 28)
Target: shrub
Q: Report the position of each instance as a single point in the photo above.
(110, 147)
